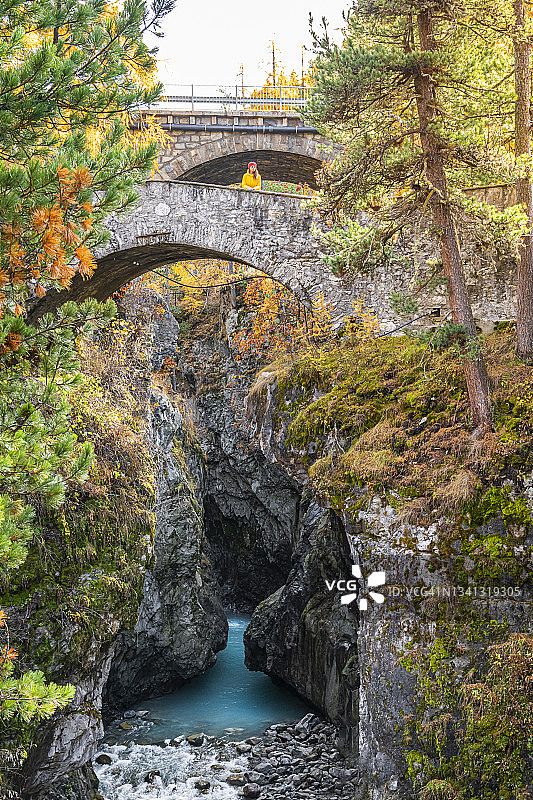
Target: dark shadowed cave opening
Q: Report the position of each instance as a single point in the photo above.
(246, 572)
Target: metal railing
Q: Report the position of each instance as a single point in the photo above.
(193, 97)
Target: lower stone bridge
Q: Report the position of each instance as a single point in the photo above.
(178, 221)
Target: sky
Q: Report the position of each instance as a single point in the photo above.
(206, 41)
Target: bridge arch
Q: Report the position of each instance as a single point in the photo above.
(274, 165)
(208, 152)
(185, 221)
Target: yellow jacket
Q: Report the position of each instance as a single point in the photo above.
(249, 182)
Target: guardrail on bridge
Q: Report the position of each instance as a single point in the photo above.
(191, 97)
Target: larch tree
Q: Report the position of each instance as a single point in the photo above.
(407, 92)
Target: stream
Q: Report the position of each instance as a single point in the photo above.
(228, 703)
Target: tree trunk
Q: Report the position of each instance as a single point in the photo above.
(474, 366)
(522, 55)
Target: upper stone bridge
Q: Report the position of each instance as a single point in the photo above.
(176, 221)
(216, 147)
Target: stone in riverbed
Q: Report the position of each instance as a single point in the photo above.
(251, 790)
(129, 714)
(202, 784)
(235, 780)
(256, 777)
(125, 726)
(254, 740)
(196, 739)
(307, 723)
(243, 748)
(103, 759)
(149, 777)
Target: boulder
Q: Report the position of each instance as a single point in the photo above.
(251, 790)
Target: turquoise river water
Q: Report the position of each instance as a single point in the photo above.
(228, 700)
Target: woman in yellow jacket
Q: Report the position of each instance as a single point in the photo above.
(251, 179)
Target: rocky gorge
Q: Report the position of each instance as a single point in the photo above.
(249, 515)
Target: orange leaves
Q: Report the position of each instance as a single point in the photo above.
(8, 654)
(48, 240)
(39, 219)
(86, 261)
(51, 243)
(74, 180)
(82, 178)
(11, 231)
(55, 270)
(14, 341)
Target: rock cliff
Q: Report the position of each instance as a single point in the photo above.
(349, 456)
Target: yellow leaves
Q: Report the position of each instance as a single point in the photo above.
(320, 326)
(147, 78)
(150, 132)
(363, 325)
(3, 619)
(86, 261)
(277, 322)
(94, 138)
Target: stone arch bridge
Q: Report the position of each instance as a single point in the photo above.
(216, 147)
(176, 221)
(271, 232)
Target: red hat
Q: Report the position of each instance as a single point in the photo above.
(252, 164)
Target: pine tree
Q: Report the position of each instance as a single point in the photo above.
(408, 92)
(71, 74)
(524, 195)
